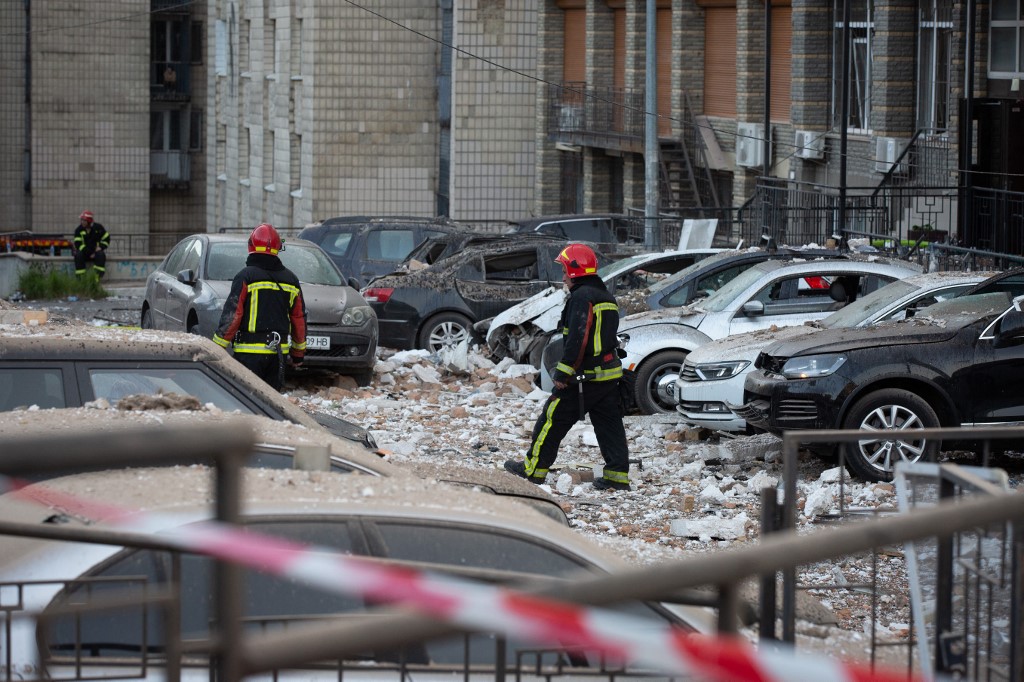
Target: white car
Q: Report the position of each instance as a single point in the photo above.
(522, 331)
(713, 374)
(770, 294)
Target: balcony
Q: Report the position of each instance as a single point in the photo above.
(170, 81)
(169, 169)
(612, 118)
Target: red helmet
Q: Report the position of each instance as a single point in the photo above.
(265, 239)
(578, 261)
(86, 216)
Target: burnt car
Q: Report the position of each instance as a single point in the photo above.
(188, 290)
(957, 363)
(365, 247)
(436, 307)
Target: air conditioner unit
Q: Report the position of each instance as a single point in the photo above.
(749, 144)
(887, 150)
(810, 144)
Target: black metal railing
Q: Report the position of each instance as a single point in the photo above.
(582, 108)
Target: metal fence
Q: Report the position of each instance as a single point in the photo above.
(968, 583)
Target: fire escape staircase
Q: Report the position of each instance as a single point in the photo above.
(686, 181)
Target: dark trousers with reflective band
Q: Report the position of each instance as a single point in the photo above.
(99, 262)
(263, 365)
(602, 402)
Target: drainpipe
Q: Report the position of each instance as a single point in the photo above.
(767, 87)
(844, 121)
(652, 238)
(27, 150)
(968, 123)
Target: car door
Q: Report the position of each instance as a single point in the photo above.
(796, 298)
(990, 381)
(163, 281)
(508, 277)
(179, 293)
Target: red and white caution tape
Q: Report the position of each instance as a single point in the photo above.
(478, 606)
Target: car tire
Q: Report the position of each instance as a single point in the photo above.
(193, 327)
(654, 381)
(890, 408)
(363, 378)
(445, 330)
(147, 319)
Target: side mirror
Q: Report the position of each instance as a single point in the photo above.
(187, 277)
(1011, 330)
(354, 283)
(753, 308)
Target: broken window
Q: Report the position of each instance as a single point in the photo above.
(520, 266)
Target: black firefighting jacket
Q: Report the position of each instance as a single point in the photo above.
(265, 298)
(86, 239)
(590, 325)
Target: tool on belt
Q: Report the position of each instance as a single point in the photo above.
(274, 343)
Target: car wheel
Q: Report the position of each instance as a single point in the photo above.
(655, 380)
(446, 330)
(363, 378)
(147, 318)
(193, 326)
(874, 459)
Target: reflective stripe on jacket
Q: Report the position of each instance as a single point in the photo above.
(265, 299)
(590, 326)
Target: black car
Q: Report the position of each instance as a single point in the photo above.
(436, 307)
(595, 228)
(960, 363)
(365, 247)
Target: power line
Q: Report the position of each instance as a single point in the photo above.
(123, 17)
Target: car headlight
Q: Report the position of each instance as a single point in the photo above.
(715, 371)
(356, 316)
(812, 366)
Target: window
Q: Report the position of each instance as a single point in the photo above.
(196, 43)
(934, 94)
(860, 31)
(195, 131)
(165, 131)
(23, 388)
(389, 245)
(114, 384)
(220, 30)
(521, 266)
(1006, 57)
(172, 264)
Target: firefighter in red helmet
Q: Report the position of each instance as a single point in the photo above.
(586, 379)
(90, 242)
(264, 316)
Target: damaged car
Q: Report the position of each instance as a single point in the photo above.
(958, 363)
(436, 307)
(85, 364)
(772, 293)
(713, 374)
(187, 293)
(522, 331)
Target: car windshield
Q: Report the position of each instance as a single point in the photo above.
(311, 265)
(721, 299)
(863, 308)
(614, 268)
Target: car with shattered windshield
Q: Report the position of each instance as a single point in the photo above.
(187, 293)
(957, 363)
(436, 307)
(113, 611)
(522, 331)
(713, 374)
(772, 293)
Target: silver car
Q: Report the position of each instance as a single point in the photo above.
(188, 290)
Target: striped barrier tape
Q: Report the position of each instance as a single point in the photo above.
(478, 606)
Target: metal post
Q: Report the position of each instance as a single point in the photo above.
(228, 576)
(652, 236)
(769, 524)
(967, 172)
(844, 120)
(943, 584)
(767, 88)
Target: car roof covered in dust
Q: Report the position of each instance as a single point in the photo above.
(79, 341)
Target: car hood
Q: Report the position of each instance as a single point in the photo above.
(909, 332)
(690, 316)
(533, 310)
(326, 304)
(748, 345)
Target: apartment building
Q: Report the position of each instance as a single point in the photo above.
(102, 106)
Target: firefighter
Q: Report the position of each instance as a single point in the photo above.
(264, 316)
(586, 379)
(90, 243)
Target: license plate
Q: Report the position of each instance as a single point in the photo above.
(318, 343)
